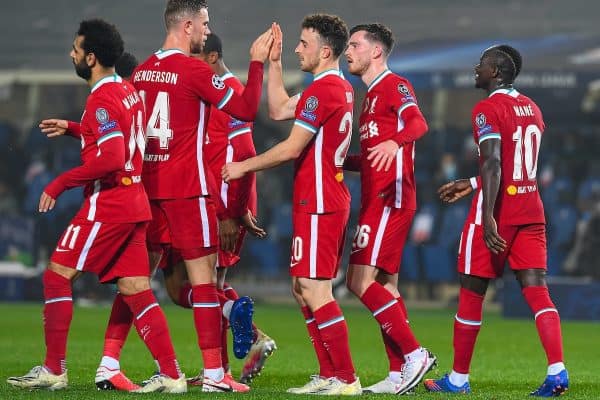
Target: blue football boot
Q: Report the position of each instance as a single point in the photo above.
(240, 320)
(554, 385)
(444, 385)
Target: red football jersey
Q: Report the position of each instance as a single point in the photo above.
(177, 90)
(517, 121)
(229, 140)
(325, 109)
(114, 109)
(380, 120)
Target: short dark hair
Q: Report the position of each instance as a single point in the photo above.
(102, 39)
(176, 9)
(507, 59)
(126, 64)
(377, 32)
(213, 43)
(332, 29)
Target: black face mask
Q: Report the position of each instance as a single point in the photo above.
(83, 70)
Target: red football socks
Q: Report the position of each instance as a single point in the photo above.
(389, 314)
(119, 323)
(547, 321)
(151, 325)
(207, 319)
(334, 334)
(58, 312)
(467, 323)
(326, 369)
(185, 295)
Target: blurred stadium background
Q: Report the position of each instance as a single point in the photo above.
(438, 42)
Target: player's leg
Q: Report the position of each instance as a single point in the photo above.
(58, 312)
(528, 260)
(132, 271)
(376, 252)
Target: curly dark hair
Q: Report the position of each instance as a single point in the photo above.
(213, 43)
(332, 29)
(126, 64)
(507, 59)
(377, 32)
(102, 39)
(176, 9)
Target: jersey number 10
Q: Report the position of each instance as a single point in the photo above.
(528, 149)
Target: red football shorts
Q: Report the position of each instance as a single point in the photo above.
(380, 236)
(226, 259)
(317, 244)
(189, 225)
(109, 250)
(526, 248)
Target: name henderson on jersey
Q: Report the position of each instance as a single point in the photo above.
(156, 76)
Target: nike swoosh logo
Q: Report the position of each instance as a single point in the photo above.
(62, 250)
(355, 251)
(294, 264)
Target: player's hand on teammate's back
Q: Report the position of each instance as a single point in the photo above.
(228, 234)
(277, 47)
(54, 127)
(382, 155)
(232, 170)
(455, 190)
(492, 239)
(249, 222)
(46, 202)
(259, 51)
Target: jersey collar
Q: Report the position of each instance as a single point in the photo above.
(328, 72)
(510, 92)
(164, 53)
(106, 79)
(378, 79)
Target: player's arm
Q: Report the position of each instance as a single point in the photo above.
(281, 105)
(490, 180)
(56, 127)
(110, 158)
(289, 149)
(459, 188)
(244, 106)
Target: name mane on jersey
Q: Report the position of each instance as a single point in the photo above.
(523, 111)
(156, 76)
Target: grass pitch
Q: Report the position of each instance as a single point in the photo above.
(508, 361)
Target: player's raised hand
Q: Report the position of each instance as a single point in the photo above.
(46, 203)
(455, 190)
(277, 47)
(492, 239)
(228, 234)
(259, 51)
(54, 127)
(232, 170)
(382, 155)
(249, 222)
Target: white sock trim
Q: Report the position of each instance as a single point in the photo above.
(556, 368)
(110, 363)
(545, 310)
(227, 308)
(458, 379)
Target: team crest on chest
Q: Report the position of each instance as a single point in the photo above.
(217, 82)
(101, 115)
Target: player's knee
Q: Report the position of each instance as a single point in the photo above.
(531, 277)
(356, 286)
(133, 285)
(474, 284)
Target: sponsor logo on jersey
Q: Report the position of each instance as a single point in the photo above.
(217, 82)
(107, 126)
(102, 115)
(308, 115)
(126, 181)
(511, 190)
(311, 104)
(235, 122)
(339, 176)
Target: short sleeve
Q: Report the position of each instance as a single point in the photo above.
(103, 118)
(311, 109)
(208, 85)
(401, 97)
(485, 123)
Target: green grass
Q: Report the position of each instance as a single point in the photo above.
(508, 361)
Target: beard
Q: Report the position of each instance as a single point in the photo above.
(83, 70)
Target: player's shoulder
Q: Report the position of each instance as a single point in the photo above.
(233, 82)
